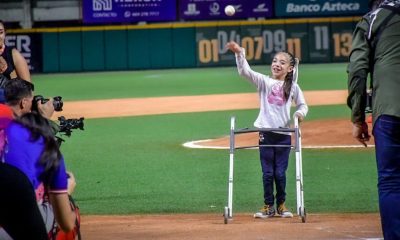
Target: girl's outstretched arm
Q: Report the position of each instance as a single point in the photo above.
(243, 66)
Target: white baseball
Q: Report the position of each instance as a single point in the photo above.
(229, 10)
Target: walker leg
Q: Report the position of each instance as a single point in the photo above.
(299, 175)
(226, 215)
(228, 212)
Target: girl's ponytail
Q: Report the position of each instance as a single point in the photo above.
(296, 70)
(291, 76)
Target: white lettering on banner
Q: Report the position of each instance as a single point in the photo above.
(303, 8)
(137, 1)
(23, 44)
(327, 7)
(340, 7)
(104, 14)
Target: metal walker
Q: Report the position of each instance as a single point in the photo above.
(301, 212)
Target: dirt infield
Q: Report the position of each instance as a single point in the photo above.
(211, 226)
(331, 133)
(243, 226)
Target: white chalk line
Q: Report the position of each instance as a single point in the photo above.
(198, 145)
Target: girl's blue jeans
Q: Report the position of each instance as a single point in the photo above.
(274, 163)
(387, 145)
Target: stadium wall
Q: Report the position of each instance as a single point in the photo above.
(182, 45)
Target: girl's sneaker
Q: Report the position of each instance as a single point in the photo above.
(283, 211)
(266, 212)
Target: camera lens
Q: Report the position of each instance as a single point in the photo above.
(57, 103)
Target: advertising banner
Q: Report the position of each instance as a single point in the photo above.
(214, 9)
(307, 8)
(127, 11)
(30, 47)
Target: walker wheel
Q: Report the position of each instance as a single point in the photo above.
(226, 215)
(302, 212)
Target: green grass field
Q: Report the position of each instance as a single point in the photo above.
(179, 82)
(135, 165)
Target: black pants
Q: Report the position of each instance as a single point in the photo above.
(19, 213)
(274, 163)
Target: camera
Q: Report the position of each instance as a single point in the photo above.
(57, 102)
(66, 125)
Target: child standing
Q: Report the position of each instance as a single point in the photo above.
(276, 94)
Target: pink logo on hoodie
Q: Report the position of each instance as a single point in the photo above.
(276, 95)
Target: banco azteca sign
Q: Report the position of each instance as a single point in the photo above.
(320, 7)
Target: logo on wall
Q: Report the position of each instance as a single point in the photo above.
(214, 8)
(261, 8)
(238, 8)
(102, 5)
(192, 10)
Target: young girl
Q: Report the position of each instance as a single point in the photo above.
(276, 94)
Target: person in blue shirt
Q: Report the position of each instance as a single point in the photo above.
(32, 149)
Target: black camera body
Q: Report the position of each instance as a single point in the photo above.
(57, 102)
(65, 127)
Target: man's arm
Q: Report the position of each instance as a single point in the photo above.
(358, 70)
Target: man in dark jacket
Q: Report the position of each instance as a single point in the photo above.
(376, 51)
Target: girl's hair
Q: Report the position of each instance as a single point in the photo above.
(287, 85)
(40, 127)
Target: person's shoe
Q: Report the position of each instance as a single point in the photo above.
(266, 212)
(283, 211)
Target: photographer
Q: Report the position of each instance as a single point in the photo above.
(19, 97)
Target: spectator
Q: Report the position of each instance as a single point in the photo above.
(33, 150)
(12, 63)
(19, 213)
(19, 99)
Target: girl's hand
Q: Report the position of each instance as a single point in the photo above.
(233, 46)
(299, 116)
